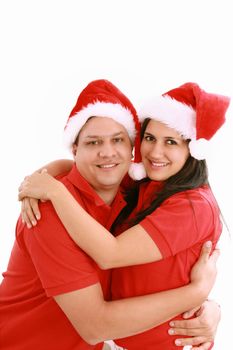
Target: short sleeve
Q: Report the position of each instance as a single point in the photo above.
(60, 264)
(180, 222)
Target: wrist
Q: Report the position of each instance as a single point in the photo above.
(55, 190)
(200, 291)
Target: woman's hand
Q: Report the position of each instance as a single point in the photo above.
(34, 187)
(39, 185)
(201, 330)
(30, 212)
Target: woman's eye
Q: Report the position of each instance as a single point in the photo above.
(171, 142)
(149, 138)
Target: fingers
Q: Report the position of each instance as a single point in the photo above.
(197, 342)
(21, 190)
(190, 332)
(21, 185)
(35, 207)
(30, 211)
(204, 346)
(206, 250)
(188, 324)
(191, 313)
(215, 255)
(21, 195)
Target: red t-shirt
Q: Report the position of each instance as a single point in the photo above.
(46, 262)
(178, 227)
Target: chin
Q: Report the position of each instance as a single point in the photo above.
(110, 182)
(156, 177)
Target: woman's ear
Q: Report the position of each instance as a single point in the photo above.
(74, 149)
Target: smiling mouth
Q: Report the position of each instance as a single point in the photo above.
(159, 165)
(107, 166)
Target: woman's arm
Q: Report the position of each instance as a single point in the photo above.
(58, 166)
(45, 189)
(132, 247)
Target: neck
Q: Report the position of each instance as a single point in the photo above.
(107, 195)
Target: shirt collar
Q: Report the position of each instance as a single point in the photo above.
(148, 192)
(83, 186)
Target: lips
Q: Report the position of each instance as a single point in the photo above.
(159, 164)
(107, 166)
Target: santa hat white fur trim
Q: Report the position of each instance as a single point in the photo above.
(137, 171)
(174, 114)
(114, 111)
(199, 149)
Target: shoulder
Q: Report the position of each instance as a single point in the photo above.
(198, 203)
(199, 196)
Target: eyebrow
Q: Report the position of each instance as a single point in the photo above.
(100, 136)
(165, 137)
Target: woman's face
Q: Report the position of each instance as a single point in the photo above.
(164, 152)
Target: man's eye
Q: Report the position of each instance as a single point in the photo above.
(118, 139)
(93, 143)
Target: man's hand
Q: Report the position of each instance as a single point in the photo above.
(200, 330)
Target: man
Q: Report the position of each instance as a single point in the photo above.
(53, 295)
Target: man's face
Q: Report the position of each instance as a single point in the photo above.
(103, 153)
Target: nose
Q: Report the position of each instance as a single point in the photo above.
(157, 150)
(107, 150)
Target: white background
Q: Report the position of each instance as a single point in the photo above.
(50, 49)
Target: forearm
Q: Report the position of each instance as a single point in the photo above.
(132, 316)
(92, 237)
(57, 167)
(134, 246)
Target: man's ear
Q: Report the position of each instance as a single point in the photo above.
(74, 149)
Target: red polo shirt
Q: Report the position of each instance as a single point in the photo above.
(178, 227)
(46, 262)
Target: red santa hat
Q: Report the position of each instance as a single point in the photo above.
(100, 98)
(192, 112)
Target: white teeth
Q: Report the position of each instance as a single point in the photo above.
(159, 164)
(107, 165)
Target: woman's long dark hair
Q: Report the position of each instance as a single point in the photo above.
(193, 174)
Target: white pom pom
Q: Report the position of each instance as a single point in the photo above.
(137, 171)
(199, 149)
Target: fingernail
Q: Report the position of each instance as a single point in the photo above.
(29, 225)
(171, 324)
(186, 315)
(171, 331)
(33, 222)
(208, 244)
(38, 216)
(178, 342)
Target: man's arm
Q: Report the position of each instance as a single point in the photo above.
(97, 320)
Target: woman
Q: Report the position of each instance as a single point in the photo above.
(175, 211)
